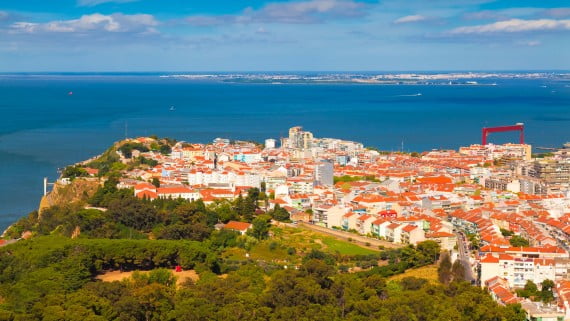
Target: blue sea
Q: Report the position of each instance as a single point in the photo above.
(44, 128)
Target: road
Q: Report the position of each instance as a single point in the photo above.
(358, 239)
(462, 246)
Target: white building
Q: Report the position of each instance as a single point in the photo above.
(270, 143)
(517, 270)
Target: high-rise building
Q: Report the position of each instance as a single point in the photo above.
(554, 173)
(324, 173)
(298, 138)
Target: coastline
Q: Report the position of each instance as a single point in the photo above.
(6, 230)
(377, 116)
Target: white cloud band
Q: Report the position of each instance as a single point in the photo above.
(142, 23)
(515, 25)
(410, 19)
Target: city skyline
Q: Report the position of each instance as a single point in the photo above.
(315, 35)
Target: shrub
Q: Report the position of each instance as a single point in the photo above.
(273, 246)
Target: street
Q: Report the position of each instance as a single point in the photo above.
(462, 247)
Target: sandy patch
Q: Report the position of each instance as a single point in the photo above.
(181, 277)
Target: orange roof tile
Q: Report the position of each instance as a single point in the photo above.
(238, 226)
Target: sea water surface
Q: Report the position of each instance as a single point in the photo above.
(43, 127)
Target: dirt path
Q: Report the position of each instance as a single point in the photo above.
(356, 239)
(181, 277)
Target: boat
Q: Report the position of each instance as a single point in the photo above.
(172, 108)
(410, 95)
(70, 93)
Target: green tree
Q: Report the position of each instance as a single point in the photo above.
(517, 240)
(224, 210)
(444, 269)
(545, 293)
(260, 228)
(178, 231)
(127, 149)
(165, 149)
(134, 213)
(474, 241)
(412, 283)
(319, 270)
(73, 172)
(458, 271)
(279, 214)
(245, 207)
(155, 182)
(429, 249)
(531, 287)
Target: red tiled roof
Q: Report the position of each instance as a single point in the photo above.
(490, 259)
(173, 190)
(441, 234)
(393, 226)
(144, 185)
(147, 194)
(238, 226)
(505, 257)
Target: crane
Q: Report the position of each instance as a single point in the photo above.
(517, 127)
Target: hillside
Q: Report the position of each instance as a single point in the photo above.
(78, 190)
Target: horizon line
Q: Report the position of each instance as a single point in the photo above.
(291, 71)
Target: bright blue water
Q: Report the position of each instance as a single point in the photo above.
(43, 128)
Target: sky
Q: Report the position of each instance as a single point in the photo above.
(277, 35)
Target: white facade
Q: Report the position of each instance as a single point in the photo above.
(196, 177)
(270, 143)
(517, 271)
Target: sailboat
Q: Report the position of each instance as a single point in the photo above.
(172, 108)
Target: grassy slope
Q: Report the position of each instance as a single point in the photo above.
(275, 249)
(426, 272)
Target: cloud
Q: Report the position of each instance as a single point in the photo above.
(308, 11)
(297, 12)
(411, 19)
(514, 26)
(6, 17)
(484, 15)
(92, 3)
(115, 23)
(206, 21)
(529, 43)
(261, 31)
(504, 14)
(556, 13)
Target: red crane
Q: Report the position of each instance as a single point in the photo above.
(488, 130)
